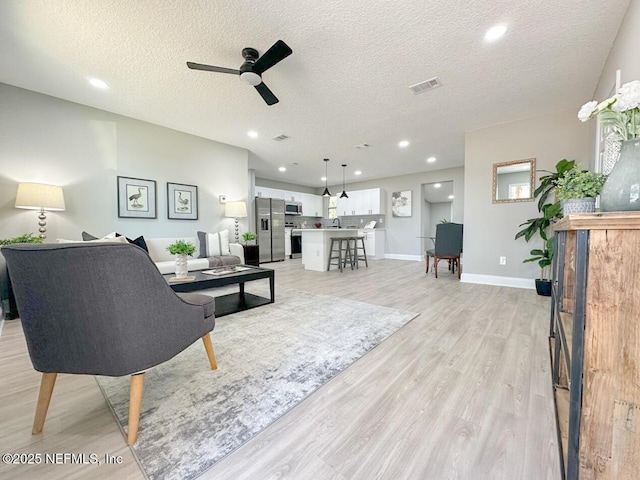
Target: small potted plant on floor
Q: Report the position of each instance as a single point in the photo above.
(181, 250)
(577, 189)
(541, 226)
(249, 238)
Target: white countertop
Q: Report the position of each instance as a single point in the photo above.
(327, 229)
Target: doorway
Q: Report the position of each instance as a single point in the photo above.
(437, 207)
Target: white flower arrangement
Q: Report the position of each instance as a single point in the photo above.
(621, 112)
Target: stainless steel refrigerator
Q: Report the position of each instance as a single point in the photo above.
(270, 229)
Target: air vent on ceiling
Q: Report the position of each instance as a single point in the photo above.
(362, 145)
(282, 137)
(426, 85)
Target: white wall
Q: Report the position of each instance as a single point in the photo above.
(489, 228)
(623, 55)
(292, 187)
(439, 211)
(48, 140)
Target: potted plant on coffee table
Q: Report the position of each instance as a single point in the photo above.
(577, 190)
(181, 250)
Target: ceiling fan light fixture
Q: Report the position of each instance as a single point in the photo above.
(251, 78)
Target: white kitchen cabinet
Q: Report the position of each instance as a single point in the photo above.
(362, 202)
(345, 206)
(374, 243)
(287, 242)
(318, 205)
(373, 201)
(292, 196)
(311, 204)
(259, 192)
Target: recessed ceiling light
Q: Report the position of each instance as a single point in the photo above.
(431, 159)
(253, 134)
(450, 197)
(495, 33)
(323, 179)
(403, 144)
(357, 172)
(96, 82)
(282, 169)
(436, 185)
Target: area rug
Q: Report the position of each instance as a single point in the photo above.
(269, 359)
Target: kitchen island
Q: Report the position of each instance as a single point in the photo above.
(316, 243)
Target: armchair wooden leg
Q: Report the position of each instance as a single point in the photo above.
(44, 397)
(135, 403)
(427, 260)
(435, 265)
(206, 339)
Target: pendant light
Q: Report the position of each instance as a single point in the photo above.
(343, 194)
(326, 192)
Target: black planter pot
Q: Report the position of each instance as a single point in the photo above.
(543, 287)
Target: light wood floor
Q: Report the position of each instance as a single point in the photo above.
(461, 392)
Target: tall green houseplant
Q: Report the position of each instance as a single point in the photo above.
(550, 212)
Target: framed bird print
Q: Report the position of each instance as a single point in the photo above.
(182, 202)
(136, 198)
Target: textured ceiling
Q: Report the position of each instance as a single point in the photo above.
(345, 84)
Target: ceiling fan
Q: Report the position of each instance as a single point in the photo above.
(253, 67)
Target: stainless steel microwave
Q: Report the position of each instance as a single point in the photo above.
(292, 208)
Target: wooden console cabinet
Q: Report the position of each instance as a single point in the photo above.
(595, 345)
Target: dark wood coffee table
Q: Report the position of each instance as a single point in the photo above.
(233, 302)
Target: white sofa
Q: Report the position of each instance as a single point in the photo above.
(166, 262)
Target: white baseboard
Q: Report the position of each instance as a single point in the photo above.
(1, 321)
(498, 281)
(399, 256)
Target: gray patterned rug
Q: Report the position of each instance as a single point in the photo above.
(269, 359)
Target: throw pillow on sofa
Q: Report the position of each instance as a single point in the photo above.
(213, 244)
(97, 240)
(136, 241)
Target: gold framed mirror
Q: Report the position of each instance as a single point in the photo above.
(514, 181)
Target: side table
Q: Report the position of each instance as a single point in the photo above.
(251, 255)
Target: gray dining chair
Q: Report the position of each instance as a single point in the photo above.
(101, 309)
(448, 246)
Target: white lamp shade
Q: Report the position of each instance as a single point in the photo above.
(235, 209)
(36, 196)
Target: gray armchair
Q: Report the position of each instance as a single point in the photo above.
(448, 246)
(101, 309)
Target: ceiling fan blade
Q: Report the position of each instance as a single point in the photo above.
(211, 68)
(278, 51)
(266, 94)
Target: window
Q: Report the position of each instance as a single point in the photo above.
(333, 207)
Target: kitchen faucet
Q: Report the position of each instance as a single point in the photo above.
(338, 219)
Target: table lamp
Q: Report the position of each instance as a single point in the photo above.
(236, 210)
(39, 196)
